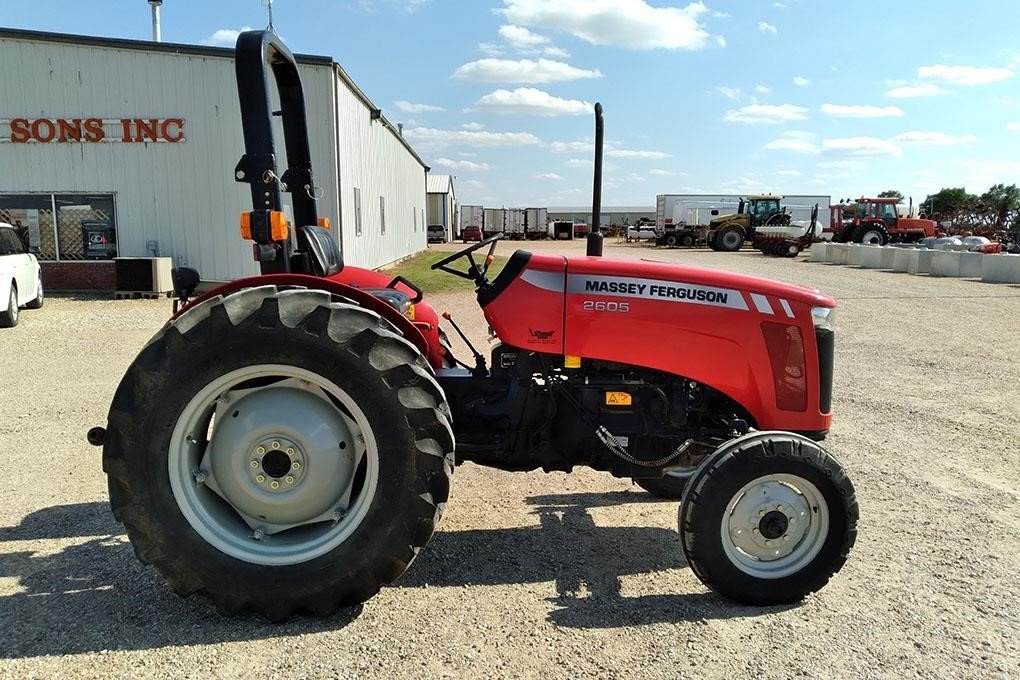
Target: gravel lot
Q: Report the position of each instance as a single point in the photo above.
(561, 575)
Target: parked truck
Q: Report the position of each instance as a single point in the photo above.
(493, 221)
(471, 216)
(514, 228)
(536, 223)
(561, 230)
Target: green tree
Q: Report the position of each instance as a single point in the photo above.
(1002, 199)
(891, 193)
(948, 200)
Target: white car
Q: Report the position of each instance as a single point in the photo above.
(20, 277)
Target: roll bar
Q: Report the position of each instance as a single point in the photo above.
(255, 50)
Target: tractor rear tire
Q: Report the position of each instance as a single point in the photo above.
(729, 240)
(668, 486)
(279, 451)
(873, 234)
(768, 518)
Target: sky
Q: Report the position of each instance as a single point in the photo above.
(786, 96)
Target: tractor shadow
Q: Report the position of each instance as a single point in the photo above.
(94, 595)
(585, 561)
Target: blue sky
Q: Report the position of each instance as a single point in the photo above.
(790, 96)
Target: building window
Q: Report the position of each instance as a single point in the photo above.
(382, 214)
(64, 226)
(357, 211)
(414, 216)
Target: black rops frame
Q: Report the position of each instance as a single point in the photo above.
(254, 51)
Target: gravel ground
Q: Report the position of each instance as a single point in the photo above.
(557, 575)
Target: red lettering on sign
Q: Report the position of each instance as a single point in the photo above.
(147, 130)
(94, 130)
(37, 126)
(69, 129)
(164, 129)
(20, 132)
(126, 124)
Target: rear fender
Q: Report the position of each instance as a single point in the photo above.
(415, 333)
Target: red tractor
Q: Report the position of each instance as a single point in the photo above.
(877, 221)
(286, 442)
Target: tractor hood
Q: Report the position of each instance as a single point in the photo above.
(607, 270)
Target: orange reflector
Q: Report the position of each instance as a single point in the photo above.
(446, 315)
(489, 259)
(278, 227)
(571, 362)
(324, 223)
(619, 399)
(246, 225)
(410, 312)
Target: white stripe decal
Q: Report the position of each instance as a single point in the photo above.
(761, 303)
(786, 307)
(654, 289)
(544, 280)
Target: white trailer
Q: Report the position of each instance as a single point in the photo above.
(691, 211)
(561, 229)
(493, 221)
(471, 216)
(536, 222)
(514, 223)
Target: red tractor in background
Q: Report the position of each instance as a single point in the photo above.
(286, 442)
(877, 221)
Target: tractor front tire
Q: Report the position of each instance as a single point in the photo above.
(279, 451)
(768, 518)
(729, 240)
(670, 487)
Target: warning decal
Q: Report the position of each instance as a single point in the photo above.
(619, 399)
(654, 289)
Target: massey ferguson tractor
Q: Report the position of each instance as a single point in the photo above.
(287, 442)
(728, 232)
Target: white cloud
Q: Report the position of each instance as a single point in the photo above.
(632, 24)
(472, 183)
(933, 138)
(911, 91)
(796, 141)
(965, 75)
(521, 38)
(801, 81)
(225, 37)
(629, 153)
(1013, 126)
(729, 92)
(471, 137)
(555, 52)
(552, 176)
(579, 163)
(468, 166)
(766, 27)
(720, 41)
(408, 107)
(472, 126)
(658, 172)
(580, 146)
(861, 146)
(765, 113)
(490, 49)
(762, 89)
(528, 101)
(467, 154)
(861, 111)
(788, 173)
(522, 71)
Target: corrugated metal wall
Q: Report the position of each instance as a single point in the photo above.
(183, 195)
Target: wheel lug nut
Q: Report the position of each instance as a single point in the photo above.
(274, 485)
(290, 480)
(258, 534)
(786, 538)
(296, 465)
(260, 479)
(254, 463)
(276, 445)
(290, 451)
(754, 531)
(768, 542)
(779, 508)
(260, 450)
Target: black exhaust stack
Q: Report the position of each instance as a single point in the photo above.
(595, 233)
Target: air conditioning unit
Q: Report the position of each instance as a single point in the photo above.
(143, 274)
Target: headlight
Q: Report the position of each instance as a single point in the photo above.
(823, 317)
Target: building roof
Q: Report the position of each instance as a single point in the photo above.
(206, 51)
(605, 209)
(438, 184)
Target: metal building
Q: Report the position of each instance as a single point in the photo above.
(442, 204)
(121, 147)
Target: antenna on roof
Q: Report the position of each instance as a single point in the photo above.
(269, 6)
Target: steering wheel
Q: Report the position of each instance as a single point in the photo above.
(475, 272)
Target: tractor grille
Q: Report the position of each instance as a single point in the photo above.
(825, 339)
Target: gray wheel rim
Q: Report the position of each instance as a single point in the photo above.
(872, 237)
(774, 526)
(39, 291)
(730, 239)
(266, 472)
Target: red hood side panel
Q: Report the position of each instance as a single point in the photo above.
(529, 312)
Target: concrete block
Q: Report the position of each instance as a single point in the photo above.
(838, 253)
(1000, 269)
(945, 263)
(902, 258)
(821, 252)
(854, 253)
(970, 265)
(888, 255)
(871, 257)
(920, 261)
